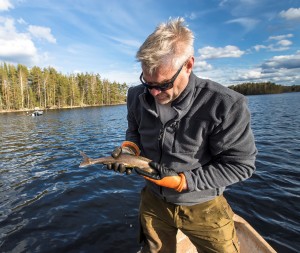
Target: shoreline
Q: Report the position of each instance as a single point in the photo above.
(57, 108)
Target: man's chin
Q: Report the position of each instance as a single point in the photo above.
(163, 101)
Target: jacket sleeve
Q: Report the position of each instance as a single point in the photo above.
(233, 152)
(132, 129)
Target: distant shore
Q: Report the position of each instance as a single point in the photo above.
(56, 108)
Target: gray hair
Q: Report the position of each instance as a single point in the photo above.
(171, 43)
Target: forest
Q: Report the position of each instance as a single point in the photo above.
(263, 88)
(22, 88)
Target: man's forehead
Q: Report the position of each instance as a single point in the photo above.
(161, 72)
(157, 78)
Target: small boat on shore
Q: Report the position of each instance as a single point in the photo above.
(37, 113)
(250, 240)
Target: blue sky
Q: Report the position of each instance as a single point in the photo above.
(235, 41)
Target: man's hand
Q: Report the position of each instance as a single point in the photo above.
(165, 177)
(127, 147)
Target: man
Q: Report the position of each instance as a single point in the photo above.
(197, 134)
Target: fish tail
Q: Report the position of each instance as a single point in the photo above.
(86, 160)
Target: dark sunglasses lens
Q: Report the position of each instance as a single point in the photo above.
(164, 87)
(167, 86)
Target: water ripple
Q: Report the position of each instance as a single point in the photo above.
(49, 204)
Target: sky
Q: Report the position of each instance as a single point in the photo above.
(236, 41)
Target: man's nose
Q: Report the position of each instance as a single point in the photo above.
(154, 92)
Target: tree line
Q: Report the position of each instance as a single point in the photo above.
(263, 88)
(22, 88)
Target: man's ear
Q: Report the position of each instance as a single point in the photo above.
(190, 64)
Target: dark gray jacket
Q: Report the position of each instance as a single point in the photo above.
(210, 139)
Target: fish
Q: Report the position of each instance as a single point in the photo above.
(130, 161)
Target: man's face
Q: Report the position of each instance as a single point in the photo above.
(164, 74)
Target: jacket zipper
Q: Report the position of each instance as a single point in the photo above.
(161, 138)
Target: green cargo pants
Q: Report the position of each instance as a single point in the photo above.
(208, 225)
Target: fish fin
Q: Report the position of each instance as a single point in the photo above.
(86, 160)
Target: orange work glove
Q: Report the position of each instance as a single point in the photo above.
(165, 177)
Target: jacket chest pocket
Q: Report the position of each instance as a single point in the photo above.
(149, 138)
(190, 136)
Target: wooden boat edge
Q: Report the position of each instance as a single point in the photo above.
(250, 240)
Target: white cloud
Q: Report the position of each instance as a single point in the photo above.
(126, 42)
(246, 75)
(280, 76)
(41, 32)
(21, 21)
(259, 47)
(282, 43)
(220, 52)
(291, 14)
(15, 47)
(202, 65)
(248, 23)
(5, 5)
(282, 62)
(281, 37)
(282, 69)
(20, 47)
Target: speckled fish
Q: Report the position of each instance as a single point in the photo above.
(129, 161)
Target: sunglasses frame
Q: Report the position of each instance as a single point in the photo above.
(164, 86)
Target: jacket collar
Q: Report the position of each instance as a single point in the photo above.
(147, 101)
(183, 103)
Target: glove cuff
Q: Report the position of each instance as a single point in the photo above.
(182, 183)
(132, 147)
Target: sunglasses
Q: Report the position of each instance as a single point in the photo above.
(164, 86)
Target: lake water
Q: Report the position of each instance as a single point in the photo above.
(49, 204)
